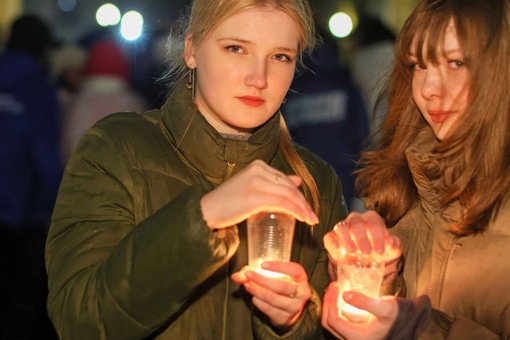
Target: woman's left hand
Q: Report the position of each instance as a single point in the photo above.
(281, 299)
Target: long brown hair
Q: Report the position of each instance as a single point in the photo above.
(475, 158)
(204, 16)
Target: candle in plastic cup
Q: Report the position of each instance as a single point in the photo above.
(361, 273)
(270, 237)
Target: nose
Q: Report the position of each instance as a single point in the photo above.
(432, 85)
(257, 74)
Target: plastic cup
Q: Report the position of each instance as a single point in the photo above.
(362, 273)
(270, 236)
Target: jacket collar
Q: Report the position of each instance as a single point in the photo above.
(428, 176)
(205, 149)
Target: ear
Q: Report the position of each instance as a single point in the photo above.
(189, 52)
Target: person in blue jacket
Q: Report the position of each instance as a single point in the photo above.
(30, 174)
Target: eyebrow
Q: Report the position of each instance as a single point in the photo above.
(243, 41)
(412, 54)
(455, 50)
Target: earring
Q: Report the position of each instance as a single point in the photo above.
(191, 79)
(190, 85)
(284, 100)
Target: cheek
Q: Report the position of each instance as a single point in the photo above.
(463, 97)
(416, 92)
(282, 80)
(460, 88)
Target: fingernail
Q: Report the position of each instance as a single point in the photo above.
(314, 218)
(347, 296)
(390, 240)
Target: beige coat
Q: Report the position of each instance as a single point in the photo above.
(467, 278)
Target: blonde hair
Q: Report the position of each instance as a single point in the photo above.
(474, 159)
(204, 16)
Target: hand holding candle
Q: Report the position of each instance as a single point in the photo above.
(279, 287)
(362, 255)
(270, 237)
(358, 272)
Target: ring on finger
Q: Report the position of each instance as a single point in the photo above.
(277, 178)
(293, 295)
(341, 223)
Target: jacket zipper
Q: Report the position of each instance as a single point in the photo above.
(230, 169)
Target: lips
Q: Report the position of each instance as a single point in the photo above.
(251, 101)
(439, 116)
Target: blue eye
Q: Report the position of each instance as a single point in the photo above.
(282, 57)
(234, 48)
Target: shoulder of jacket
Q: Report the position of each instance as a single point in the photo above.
(129, 126)
(128, 120)
(311, 158)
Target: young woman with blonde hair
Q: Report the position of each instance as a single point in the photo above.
(148, 237)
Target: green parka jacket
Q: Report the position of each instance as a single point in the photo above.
(466, 277)
(129, 255)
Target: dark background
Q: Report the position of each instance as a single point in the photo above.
(77, 22)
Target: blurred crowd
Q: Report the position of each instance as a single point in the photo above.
(51, 92)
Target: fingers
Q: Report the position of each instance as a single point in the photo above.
(240, 276)
(258, 187)
(293, 285)
(393, 248)
(332, 242)
(345, 238)
(364, 231)
(284, 192)
(281, 299)
(385, 309)
(367, 230)
(330, 319)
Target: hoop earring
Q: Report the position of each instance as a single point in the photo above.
(190, 85)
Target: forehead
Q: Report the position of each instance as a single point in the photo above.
(436, 41)
(263, 25)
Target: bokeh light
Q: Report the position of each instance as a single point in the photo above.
(67, 5)
(340, 25)
(131, 25)
(108, 15)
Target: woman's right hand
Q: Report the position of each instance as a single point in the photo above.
(367, 232)
(256, 188)
(384, 309)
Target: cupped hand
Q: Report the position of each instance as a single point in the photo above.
(384, 309)
(367, 232)
(282, 300)
(256, 188)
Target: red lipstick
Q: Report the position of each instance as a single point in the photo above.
(439, 116)
(251, 101)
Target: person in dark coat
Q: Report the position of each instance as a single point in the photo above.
(30, 174)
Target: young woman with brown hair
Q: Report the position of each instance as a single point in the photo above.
(438, 175)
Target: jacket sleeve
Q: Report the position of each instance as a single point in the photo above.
(442, 326)
(109, 276)
(305, 328)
